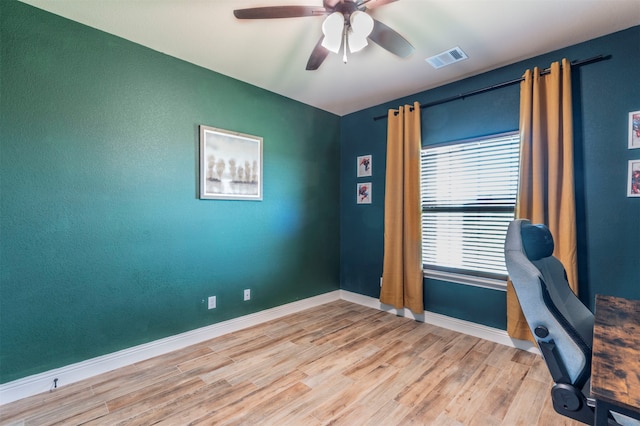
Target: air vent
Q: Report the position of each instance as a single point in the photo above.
(447, 58)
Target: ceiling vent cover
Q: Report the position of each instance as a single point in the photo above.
(447, 58)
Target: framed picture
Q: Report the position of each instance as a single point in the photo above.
(364, 165)
(230, 165)
(634, 130)
(633, 179)
(364, 193)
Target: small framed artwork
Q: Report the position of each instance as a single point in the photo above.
(364, 165)
(633, 179)
(230, 165)
(634, 130)
(364, 193)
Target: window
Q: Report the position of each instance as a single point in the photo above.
(468, 199)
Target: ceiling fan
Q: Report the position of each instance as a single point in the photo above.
(347, 24)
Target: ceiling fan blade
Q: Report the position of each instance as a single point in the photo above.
(390, 40)
(273, 12)
(317, 56)
(330, 4)
(370, 4)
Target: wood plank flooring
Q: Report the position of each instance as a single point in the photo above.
(336, 364)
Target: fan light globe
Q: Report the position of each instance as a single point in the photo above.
(332, 28)
(361, 27)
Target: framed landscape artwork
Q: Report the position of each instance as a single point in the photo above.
(230, 165)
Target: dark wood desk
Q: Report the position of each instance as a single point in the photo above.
(615, 365)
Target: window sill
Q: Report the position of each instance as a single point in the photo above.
(490, 283)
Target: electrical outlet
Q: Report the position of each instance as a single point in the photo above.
(247, 294)
(212, 302)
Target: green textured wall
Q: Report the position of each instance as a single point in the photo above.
(608, 222)
(104, 244)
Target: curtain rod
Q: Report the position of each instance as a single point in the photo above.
(501, 85)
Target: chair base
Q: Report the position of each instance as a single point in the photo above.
(571, 402)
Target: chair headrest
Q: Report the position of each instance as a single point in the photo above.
(537, 241)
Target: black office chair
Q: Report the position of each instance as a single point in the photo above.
(561, 324)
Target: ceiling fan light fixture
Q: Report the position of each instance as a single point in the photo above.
(361, 25)
(332, 28)
(344, 19)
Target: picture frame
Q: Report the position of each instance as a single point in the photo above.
(230, 165)
(633, 179)
(364, 165)
(634, 130)
(363, 195)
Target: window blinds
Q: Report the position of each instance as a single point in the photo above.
(469, 191)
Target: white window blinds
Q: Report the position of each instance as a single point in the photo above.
(468, 199)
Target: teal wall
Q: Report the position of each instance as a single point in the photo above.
(104, 243)
(608, 222)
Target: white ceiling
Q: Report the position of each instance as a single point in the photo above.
(273, 53)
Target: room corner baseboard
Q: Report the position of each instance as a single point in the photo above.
(455, 324)
(43, 382)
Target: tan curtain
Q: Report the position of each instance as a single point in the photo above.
(402, 265)
(546, 188)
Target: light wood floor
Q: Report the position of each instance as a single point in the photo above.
(338, 364)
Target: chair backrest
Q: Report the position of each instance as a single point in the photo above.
(559, 321)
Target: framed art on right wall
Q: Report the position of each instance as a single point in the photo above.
(364, 193)
(364, 165)
(634, 130)
(633, 179)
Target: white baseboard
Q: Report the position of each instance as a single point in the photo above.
(43, 382)
(455, 324)
(66, 375)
